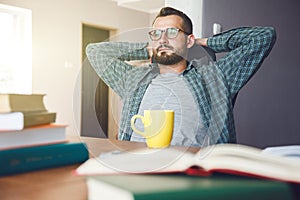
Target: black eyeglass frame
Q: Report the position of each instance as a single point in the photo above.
(166, 30)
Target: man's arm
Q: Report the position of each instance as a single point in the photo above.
(201, 41)
(247, 48)
(108, 60)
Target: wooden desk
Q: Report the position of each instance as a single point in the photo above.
(58, 183)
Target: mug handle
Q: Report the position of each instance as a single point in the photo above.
(133, 126)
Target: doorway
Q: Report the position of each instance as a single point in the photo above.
(94, 98)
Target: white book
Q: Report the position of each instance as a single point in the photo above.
(33, 136)
(21, 120)
(12, 121)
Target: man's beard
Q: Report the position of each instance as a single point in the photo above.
(166, 59)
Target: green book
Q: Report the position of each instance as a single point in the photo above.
(165, 187)
(27, 159)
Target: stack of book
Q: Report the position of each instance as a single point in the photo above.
(18, 111)
(29, 137)
(25, 121)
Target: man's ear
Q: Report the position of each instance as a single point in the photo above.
(190, 40)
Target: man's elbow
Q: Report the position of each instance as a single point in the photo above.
(270, 34)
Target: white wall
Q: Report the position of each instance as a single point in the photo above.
(57, 47)
(193, 8)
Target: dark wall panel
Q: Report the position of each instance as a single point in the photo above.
(268, 107)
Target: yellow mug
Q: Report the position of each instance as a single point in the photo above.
(158, 127)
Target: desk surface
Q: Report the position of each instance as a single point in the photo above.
(57, 183)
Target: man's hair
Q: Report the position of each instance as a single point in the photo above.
(187, 23)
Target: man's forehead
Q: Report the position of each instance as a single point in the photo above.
(168, 21)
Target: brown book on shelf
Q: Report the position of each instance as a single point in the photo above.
(22, 103)
(20, 120)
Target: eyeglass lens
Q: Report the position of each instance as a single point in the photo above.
(170, 33)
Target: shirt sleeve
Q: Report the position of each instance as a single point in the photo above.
(108, 60)
(247, 48)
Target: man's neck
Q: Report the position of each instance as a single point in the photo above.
(176, 68)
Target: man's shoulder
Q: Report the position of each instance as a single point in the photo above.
(144, 66)
(202, 65)
(208, 71)
(139, 72)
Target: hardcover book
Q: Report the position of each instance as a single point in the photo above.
(173, 187)
(27, 159)
(36, 135)
(22, 103)
(20, 120)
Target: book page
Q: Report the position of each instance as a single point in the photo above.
(290, 151)
(139, 161)
(248, 160)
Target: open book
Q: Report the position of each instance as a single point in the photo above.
(227, 158)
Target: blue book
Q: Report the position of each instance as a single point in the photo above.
(27, 159)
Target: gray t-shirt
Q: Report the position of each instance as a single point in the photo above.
(170, 92)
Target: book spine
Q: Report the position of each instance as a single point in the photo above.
(39, 119)
(27, 159)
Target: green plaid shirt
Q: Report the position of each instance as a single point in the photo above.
(214, 86)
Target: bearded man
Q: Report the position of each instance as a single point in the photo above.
(201, 95)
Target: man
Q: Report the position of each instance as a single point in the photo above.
(202, 96)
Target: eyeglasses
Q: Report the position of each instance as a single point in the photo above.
(170, 33)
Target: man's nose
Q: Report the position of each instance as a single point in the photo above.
(164, 38)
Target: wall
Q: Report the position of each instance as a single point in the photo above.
(193, 8)
(267, 108)
(57, 47)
